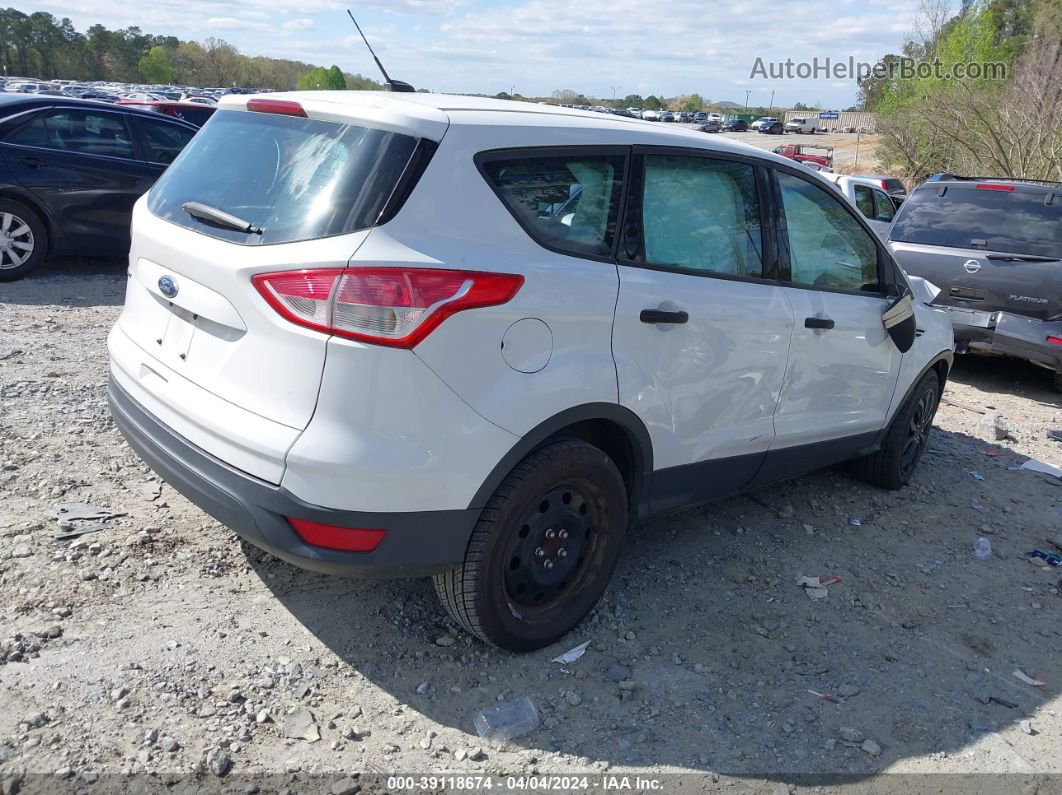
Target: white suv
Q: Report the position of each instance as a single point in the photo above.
(417, 334)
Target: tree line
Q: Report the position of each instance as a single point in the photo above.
(990, 124)
(39, 45)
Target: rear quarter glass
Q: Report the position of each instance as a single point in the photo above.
(295, 178)
(1019, 221)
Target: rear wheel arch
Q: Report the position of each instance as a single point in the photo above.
(615, 430)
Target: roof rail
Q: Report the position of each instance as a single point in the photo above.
(944, 175)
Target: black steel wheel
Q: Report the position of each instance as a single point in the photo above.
(544, 549)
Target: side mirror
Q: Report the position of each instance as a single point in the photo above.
(899, 320)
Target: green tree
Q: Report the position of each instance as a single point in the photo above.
(335, 79)
(313, 80)
(155, 67)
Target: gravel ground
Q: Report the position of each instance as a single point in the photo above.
(844, 146)
(162, 648)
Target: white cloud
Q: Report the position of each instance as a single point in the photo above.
(302, 23)
(231, 23)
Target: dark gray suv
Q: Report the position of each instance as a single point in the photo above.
(994, 248)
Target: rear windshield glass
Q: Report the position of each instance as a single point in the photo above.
(1014, 222)
(296, 179)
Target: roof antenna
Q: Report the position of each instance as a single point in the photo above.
(392, 85)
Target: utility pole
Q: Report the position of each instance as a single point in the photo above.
(770, 109)
(747, 92)
(859, 135)
(613, 96)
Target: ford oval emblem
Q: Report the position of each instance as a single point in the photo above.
(168, 286)
(971, 266)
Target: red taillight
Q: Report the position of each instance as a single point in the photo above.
(397, 307)
(988, 186)
(343, 539)
(1054, 340)
(285, 107)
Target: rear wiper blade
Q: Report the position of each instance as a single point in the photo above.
(204, 212)
(1021, 258)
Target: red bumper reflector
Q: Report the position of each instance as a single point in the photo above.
(1054, 340)
(343, 539)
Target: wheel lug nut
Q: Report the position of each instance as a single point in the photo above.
(539, 552)
(551, 533)
(562, 553)
(548, 564)
(563, 534)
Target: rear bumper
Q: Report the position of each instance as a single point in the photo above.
(417, 543)
(1007, 334)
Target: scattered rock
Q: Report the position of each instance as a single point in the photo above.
(35, 720)
(445, 640)
(169, 744)
(617, 673)
(871, 747)
(300, 725)
(218, 762)
(850, 735)
(848, 691)
(345, 786)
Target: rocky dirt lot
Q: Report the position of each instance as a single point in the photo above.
(161, 650)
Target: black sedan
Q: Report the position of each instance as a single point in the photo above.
(70, 172)
(737, 125)
(775, 127)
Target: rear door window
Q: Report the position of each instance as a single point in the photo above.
(80, 131)
(566, 202)
(295, 178)
(701, 214)
(884, 209)
(966, 216)
(163, 141)
(864, 200)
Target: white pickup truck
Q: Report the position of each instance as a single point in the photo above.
(866, 194)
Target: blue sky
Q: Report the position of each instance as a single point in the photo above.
(536, 46)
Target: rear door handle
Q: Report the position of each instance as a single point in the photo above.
(32, 162)
(662, 316)
(818, 322)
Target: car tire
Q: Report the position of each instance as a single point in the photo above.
(543, 550)
(1058, 382)
(892, 466)
(14, 217)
